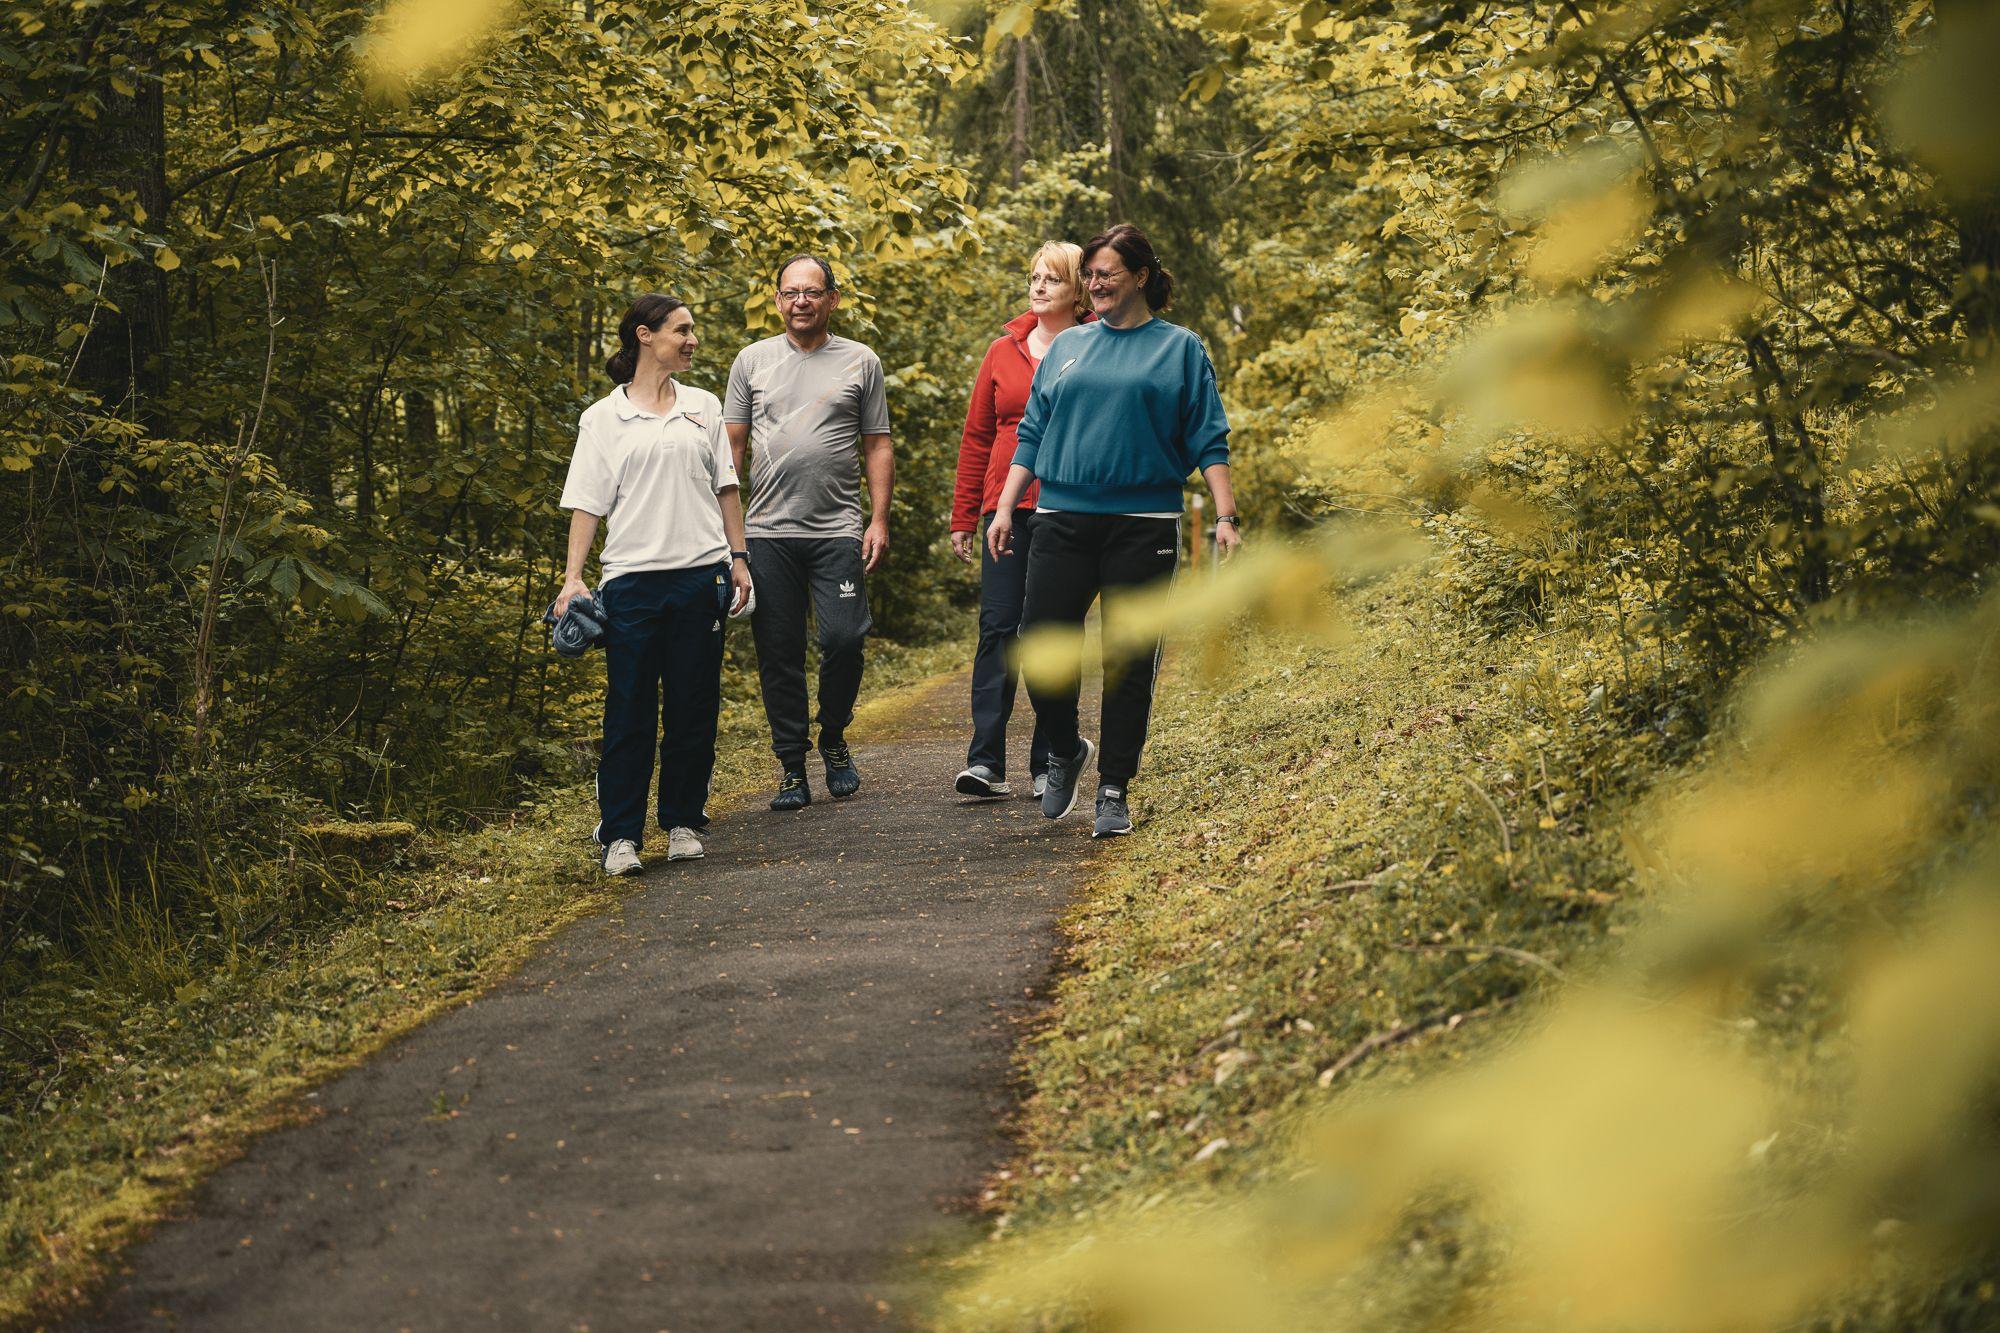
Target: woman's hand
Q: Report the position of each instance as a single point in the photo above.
(739, 581)
(1227, 538)
(963, 546)
(572, 587)
(1000, 533)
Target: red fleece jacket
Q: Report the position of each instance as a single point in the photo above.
(986, 450)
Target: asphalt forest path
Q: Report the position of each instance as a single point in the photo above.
(749, 1095)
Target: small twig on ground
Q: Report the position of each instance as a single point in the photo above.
(1258, 918)
(1382, 1041)
(1506, 838)
(1498, 950)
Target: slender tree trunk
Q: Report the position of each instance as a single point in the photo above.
(1018, 149)
(121, 159)
(1978, 216)
(1798, 470)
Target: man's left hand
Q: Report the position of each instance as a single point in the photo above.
(1227, 539)
(874, 545)
(739, 582)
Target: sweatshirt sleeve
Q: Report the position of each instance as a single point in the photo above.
(975, 446)
(1204, 426)
(1035, 419)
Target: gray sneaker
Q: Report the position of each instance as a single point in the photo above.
(1113, 819)
(1041, 785)
(622, 858)
(979, 780)
(1059, 797)
(682, 845)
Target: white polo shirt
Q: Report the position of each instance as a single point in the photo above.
(653, 479)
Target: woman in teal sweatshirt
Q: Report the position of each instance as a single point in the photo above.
(1121, 410)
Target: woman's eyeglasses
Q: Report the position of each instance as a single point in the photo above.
(1040, 280)
(1106, 274)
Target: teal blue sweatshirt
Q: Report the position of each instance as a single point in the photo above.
(1118, 418)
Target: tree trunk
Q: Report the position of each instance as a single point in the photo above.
(1018, 149)
(121, 159)
(1977, 216)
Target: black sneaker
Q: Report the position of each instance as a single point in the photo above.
(1113, 819)
(1059, 797)
(842, 777)
(978, 780)
(793, 794)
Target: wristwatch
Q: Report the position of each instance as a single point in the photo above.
(1231, 520)
(744, 556)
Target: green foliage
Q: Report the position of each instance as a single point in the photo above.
(299, 307)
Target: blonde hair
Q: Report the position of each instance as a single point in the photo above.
(1066, 262)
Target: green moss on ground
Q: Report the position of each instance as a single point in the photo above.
(115, 1100)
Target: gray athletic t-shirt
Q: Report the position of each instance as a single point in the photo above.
(807, 412)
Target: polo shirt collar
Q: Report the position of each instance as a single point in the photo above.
(628, 410)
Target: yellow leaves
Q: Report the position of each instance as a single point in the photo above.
(1590, 207)
(263, 39)
(1706, 304)
(1959, 412)
(1540, 370)
(166, 259)
(1579, 236)
(413, 40)
(1015, 20)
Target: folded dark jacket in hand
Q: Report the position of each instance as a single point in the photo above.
(578, 629)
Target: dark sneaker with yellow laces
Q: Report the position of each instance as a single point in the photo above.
(1059, 796)
(842, 777)
(793, 794)
(1113, 818)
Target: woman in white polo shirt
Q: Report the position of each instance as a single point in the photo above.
(652, 459)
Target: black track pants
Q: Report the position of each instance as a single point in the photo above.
(795, 575)
(1074, 558)
(994, 677)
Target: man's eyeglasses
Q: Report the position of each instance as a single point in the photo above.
(794, 295)
(1106, 274)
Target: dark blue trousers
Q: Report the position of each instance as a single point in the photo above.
(663, 646)
(1002, 584)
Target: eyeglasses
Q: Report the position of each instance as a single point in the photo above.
(1105, 274)
(1040, 280)
(794, 295)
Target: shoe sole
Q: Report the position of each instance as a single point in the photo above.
(1110, 832)
(628, 870)
(685, 856)
(967, 785)
(1076, 787)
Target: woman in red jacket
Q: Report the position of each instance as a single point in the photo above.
(999, 396)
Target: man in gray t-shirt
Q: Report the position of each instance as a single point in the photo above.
(810, 411)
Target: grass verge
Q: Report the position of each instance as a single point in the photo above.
(1354, 863)
(116, 1099)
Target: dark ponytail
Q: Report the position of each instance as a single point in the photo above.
(1130, 244)
(648, 312)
